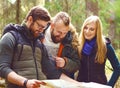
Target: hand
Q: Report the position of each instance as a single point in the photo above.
(60, 62)
(34, 83)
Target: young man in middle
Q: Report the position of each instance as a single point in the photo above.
(61, 41)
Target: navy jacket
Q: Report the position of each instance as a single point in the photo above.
(95, 72)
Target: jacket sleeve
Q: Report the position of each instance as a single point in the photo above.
(48, 66)
(115, 64)
(73, 60)
(6, 52)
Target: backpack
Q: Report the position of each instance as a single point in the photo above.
(13, 29)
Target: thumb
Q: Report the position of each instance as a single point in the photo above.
(54, 57)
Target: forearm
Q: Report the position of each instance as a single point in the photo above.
(6, 54)
(15, 78)
(113, 79)
(73, 59)
(115, 65)
(71, 65)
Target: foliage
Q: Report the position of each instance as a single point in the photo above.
(116, 10)
(118, 53)
(8, 13)
(107, 9)
(75, 8)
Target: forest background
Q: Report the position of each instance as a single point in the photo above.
(14, 11)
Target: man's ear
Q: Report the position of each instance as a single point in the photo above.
(52, 25)
(30, 19)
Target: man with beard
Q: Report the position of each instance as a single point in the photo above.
(61, 41)
(23, 58)
(22, 67)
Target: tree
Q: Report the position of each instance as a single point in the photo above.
(18, 11)
(91, 7)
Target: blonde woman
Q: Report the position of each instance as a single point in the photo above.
(94, 50)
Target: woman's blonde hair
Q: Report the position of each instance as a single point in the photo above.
(100, 40)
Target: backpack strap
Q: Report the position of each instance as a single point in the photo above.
(13, 29)
(59, 54)
(15, 35)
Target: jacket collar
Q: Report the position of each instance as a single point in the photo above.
(68, 38)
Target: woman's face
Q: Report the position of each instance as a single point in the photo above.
(90, 31)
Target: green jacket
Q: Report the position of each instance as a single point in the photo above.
(73, 60)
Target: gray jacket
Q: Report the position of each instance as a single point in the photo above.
(29, 59)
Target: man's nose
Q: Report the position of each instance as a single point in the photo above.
(41, 30)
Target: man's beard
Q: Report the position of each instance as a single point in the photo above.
(30, 29)
(33, 32)
(54, 38)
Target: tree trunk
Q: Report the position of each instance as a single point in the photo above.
(112, 27)
(18, 11)
(66, 6)
(91, 7)
(111, 32)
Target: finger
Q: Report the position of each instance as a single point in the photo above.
(57, 59)
(38, 82)
(43, 83)
(36, 85)
(54, 57)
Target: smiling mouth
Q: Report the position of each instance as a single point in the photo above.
(87, 35)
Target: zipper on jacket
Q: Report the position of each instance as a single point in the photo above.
(33, 49)
(20, 53)
(88, 63)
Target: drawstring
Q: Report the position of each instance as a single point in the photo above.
(60, 50)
